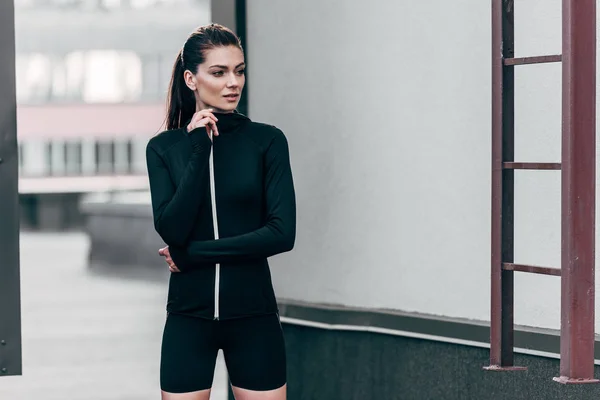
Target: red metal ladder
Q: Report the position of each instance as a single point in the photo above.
(577, 189)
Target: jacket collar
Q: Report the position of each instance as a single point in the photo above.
(230, 122)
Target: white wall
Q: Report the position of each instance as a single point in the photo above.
(387, 108)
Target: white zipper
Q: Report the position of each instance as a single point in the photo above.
(213, 201)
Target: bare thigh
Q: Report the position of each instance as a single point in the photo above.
(245, 394)
(199, 395)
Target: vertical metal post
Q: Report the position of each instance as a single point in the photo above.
(578, 191)
(502, 281)
(10, 309)
(232, 14)
(242, 32)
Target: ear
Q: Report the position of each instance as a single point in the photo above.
(190, 80)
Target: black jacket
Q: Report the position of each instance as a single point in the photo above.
(222, 251)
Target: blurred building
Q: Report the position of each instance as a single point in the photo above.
(92, 77)
(387, 109)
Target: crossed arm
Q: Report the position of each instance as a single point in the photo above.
(276, 236)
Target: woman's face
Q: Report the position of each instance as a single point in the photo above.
(219, 81)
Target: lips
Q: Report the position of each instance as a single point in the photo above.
(232, 96)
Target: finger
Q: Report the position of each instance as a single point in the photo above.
(204, 122)
(169, 261)
(208, 113)
(198, 124)
(208, 123)
(213, 126)
(205, 114)
(198, 121)
(216, 131)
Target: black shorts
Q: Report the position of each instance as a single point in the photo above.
(253, 348)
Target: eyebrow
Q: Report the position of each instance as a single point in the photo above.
(225, 67)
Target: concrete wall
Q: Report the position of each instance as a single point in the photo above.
(122, 235)
(387, 107)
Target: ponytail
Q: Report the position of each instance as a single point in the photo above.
(181, 103)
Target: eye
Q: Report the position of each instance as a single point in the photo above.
(241, 71)
(218, 73)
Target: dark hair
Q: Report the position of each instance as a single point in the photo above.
(181, 103)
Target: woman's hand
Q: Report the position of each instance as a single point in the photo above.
(204, 118)
(165, 253)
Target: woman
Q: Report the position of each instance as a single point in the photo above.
(223, 201)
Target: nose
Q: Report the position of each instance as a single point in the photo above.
(233, 81)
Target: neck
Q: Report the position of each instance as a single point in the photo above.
(202, 106)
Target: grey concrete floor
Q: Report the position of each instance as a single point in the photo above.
(87, 336)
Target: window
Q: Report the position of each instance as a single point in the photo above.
(34, 158)
(94, 76)
(32, 76)
(110, 76)
(122, 157)
(73, 158)
(105, 157)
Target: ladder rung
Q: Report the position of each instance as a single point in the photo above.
(530, 165)
(531, 268)
(533, 60)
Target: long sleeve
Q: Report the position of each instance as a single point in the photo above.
(175, 207)
(279, 232)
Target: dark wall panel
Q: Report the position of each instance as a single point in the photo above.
(335, 365)
(10, 314)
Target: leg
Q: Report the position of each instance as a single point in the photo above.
(254, 351)
(245, 394)
(199, 395)
(188, 356)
